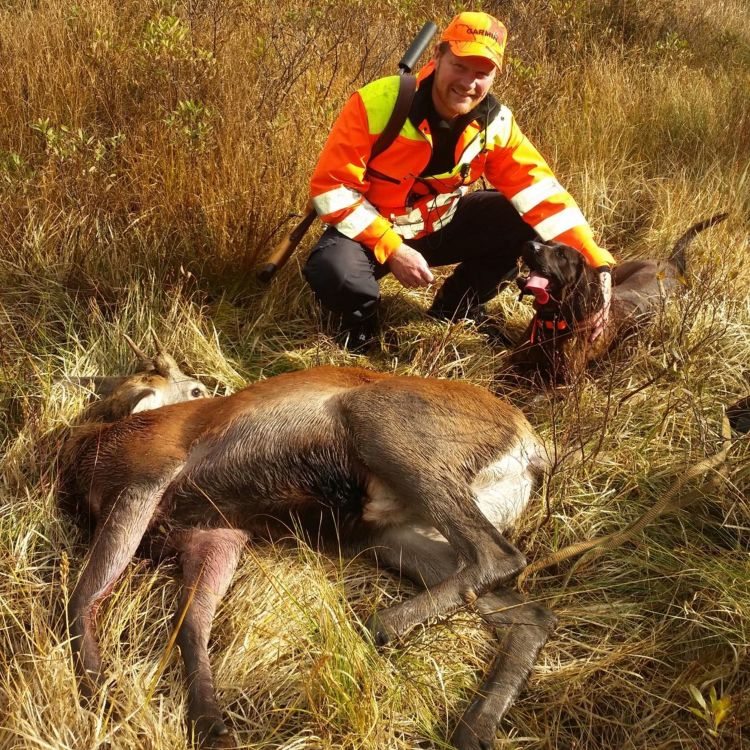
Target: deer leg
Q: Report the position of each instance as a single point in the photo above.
(209, 559)
(527, 627)
(426, 489)
(116, 539)
(422, 559)
(486, 560)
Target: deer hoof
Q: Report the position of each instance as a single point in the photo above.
(222, 742)
(473, 737)
(379, 631)
(214, 735)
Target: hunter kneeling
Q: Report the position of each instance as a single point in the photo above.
(409, 207)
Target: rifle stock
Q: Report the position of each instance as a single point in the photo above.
(287, 246)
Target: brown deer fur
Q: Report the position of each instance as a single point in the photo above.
(417, 473)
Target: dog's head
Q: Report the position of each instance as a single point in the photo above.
(560, 280)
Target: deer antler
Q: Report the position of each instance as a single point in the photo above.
(157, 343)
(144, 361)
(164, 363)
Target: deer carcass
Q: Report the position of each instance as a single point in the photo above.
(420, 474)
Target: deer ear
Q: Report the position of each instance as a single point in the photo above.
(118, 403)
(144, 400)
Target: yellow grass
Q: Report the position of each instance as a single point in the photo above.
(150, 154)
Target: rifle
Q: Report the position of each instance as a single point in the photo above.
(289, 242)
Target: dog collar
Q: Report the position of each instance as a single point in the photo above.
(540, 326)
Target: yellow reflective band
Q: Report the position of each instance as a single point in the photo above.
(560, 222)
(533, 195)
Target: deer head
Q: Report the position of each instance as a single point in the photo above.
(157, 382)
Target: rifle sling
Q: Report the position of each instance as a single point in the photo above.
(407, 85)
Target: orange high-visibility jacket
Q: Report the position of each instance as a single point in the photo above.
(383, 202)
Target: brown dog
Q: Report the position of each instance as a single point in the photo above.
(567, 292)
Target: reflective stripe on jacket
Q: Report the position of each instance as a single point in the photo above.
(384, 202)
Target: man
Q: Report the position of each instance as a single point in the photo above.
(409, 208)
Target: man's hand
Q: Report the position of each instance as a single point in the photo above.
(599, 319)
(410, 267)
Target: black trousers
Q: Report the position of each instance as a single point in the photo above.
(484, 237)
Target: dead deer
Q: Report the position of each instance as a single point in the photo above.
(418, 473)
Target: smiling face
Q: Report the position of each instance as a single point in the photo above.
(460, 83)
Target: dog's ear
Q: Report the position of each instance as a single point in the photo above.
(567, 265)
(582, 292)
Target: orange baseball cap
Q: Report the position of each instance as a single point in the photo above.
(472, 34)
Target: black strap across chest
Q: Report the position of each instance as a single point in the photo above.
(407, 86)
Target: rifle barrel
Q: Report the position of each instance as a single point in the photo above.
(421, 40)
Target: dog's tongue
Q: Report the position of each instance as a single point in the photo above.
(537, 285)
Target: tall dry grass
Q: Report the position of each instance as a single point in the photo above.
(149, 156)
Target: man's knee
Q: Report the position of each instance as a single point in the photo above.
(341, 275)
(324, 272)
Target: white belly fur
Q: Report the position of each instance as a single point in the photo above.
(502, 489)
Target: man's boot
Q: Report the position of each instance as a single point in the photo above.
(357, 334)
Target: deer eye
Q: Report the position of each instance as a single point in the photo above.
(196, 393)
